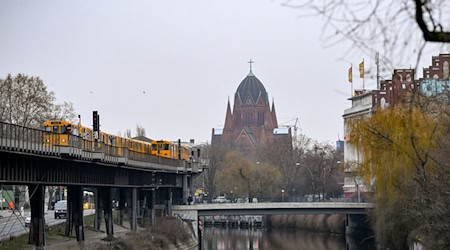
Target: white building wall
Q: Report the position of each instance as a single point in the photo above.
(361, 108)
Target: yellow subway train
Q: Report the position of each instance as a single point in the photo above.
(64, 133)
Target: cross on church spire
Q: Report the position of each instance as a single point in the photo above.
(250, 62)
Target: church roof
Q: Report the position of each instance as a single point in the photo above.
(253, 87)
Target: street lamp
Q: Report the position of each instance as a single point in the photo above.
(282, 195)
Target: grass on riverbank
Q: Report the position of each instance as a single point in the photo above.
(167, 234)
(20, 242)
(52, 234)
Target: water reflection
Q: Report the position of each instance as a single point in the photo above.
(235, 238)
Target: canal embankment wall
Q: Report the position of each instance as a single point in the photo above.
(329, 223)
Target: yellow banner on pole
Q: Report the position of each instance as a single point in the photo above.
(361, 69)
(350, 75)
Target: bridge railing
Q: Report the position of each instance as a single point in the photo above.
(138, 156)
(24, 139)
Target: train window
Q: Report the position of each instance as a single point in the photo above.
(48, 129)
(56, 129)
(154, 147)
(67, 130)
(166, 146)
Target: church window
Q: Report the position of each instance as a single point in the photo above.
(238, 117)
(408, 78)
(260, 118)
(446, 70)
(248, 118)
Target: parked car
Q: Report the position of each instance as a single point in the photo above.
(27, 219)
(61, 209)
(220, 199)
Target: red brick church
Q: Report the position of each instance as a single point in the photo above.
(251, 122)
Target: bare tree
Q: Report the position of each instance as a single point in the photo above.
(216, 155)
(64, 111)
(25, 100)
(321, 167)
(128, 133)
(399, 29)
(140, 130)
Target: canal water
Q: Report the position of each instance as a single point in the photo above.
(236, 238)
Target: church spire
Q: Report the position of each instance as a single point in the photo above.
(251, 72)
(228, 117)
(274, 114)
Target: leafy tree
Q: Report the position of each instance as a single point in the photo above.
(245, 177)
(236, 171)
(26, 101)
(266, 180)
(406, 157)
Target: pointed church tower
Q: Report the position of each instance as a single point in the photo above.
(252, 122)
(274, 114)
(228, 117)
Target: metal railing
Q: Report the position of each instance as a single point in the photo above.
(23, 139)
(37, 141)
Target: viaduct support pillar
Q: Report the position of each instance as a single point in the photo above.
(185, 189)
(122, 201)
(152, 207)
(134, 209)
(74, 217)
(106, 197)
(98, 208)
(37, 224)
(169, 202)
(191, 186)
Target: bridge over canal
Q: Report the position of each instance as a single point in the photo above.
(355, 213)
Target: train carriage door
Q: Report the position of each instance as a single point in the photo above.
(154, 149)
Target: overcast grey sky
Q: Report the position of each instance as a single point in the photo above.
(188, 56)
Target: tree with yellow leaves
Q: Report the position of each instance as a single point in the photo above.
(244, 177)
(403, 152)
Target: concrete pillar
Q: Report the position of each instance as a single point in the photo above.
(36, 235)
(134, 208)
(191, 186)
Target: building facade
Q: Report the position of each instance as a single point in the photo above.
(394, 91)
